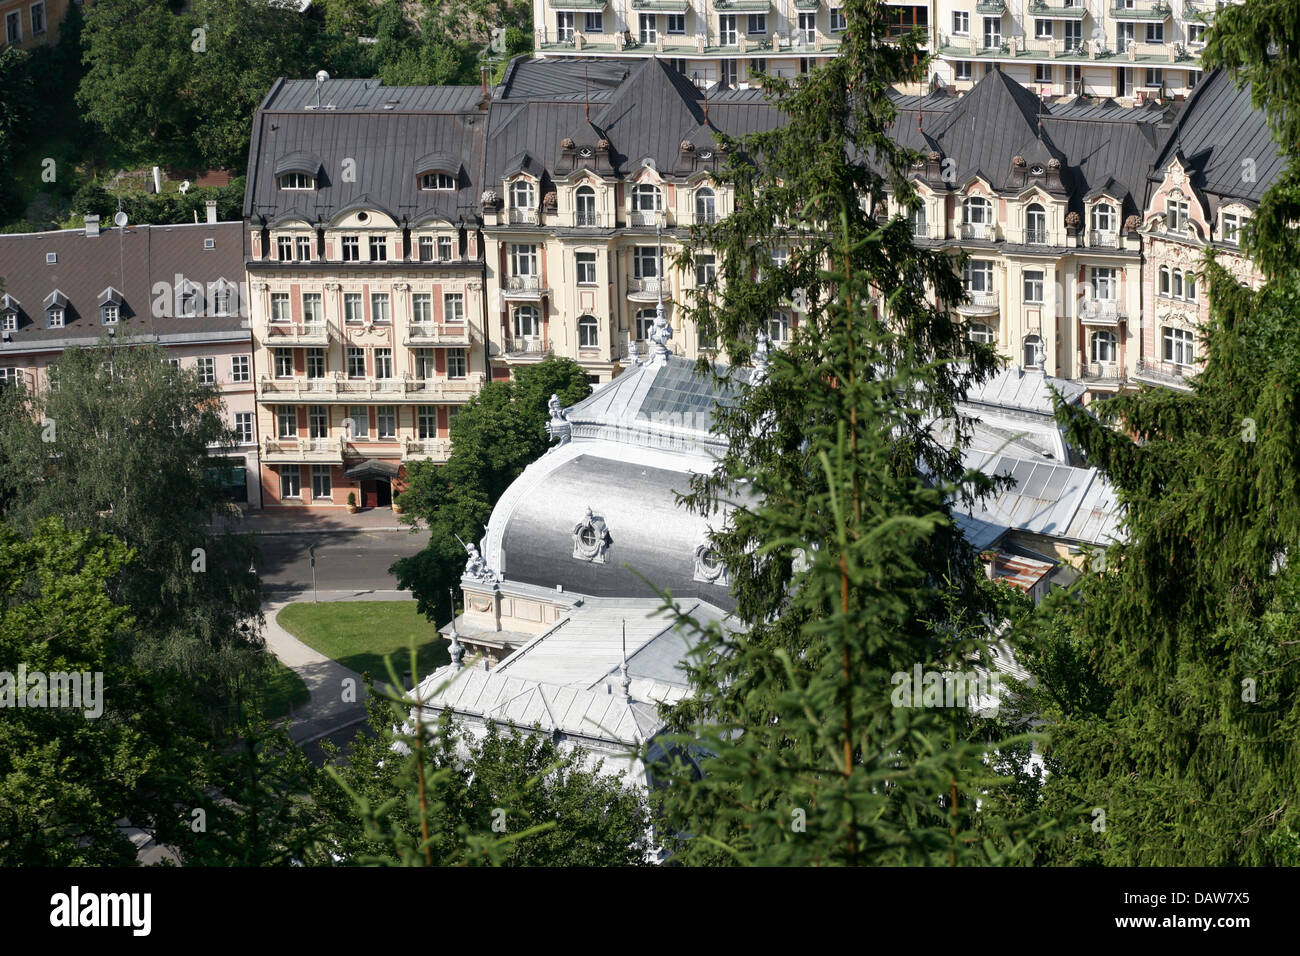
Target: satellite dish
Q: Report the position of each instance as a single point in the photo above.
(184, 187)
(322, 76)
(119, 219)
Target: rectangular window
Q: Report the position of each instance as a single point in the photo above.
(1104, 284)
(286, 418)
(979, 275)
(444, 248)
(962, 70)
(284, 248)
(706, 270)
(564, 27)
(386, 422)
(383, 363)
(422, 308)
(839, 23)
(523, 260)
(54, 316)
(356, 362)
(359, 415)
(351, 249)
(312, 311)
(807, 27)
(352, 308)
(453, 307)
(757, 66)
(727, 72)
(320, 481)
(244, 428)
(290, 482)
(14, 27)
(1179, 347)
(315, 363)
(992, 33)
(1125, 36)
(318, 421)
(649, 29)
(241, 368)
(378, 248)
(37, 11)
(424, 364)
(426, 248)
(1073, 34)
(1033, 286)
(595, 23)
(207, 369)
(727, 29)
(279, 307)
(1043, 73)
(379, 308)
(426, 422)
(304, 248)
(1155, 78)
(676, 24)
(1043, 29)
(1074, 76)
(1176, 210)
(457, 364)
(757, 23)
(1231, 228)
(283, 360)
(1155, 33)
(221, 301)
(586, 264)
(961, 23)
(645, 262)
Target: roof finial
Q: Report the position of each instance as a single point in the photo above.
(457, 650)
(622, 668)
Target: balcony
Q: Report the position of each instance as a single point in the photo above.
(522, 217)
(1103, 239)
(991, 8)
(1199, 11)
(338, 388)
(978, 303)
(434, 333)
(1039, 9)
(527, 348)
(583, 219)
(524, 287)
(1165, 373)
(445, 389)
(319, 451)
(644, 217)
(565, 6)
(426, 449)
(306, 333)
(1038, 237)
(1101, 312)
(662, 6)
(806, 4)
(742, 6)
(979, 230)
(648, 289)
(1103, 373)
(1125, 10)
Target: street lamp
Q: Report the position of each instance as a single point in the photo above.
(311, 552)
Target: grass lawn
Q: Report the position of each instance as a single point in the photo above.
(358, 634)
(282, 689)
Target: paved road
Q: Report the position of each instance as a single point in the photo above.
(345, 560)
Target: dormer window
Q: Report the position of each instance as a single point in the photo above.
(301, 181)
(521, 194)
(9, 320)
(54, 317)
(1176, 210)
(55, 305)
(1103, 217)
(110, 306)
(444, 248)
(646, 198)
(437, 181)
(1232, 228)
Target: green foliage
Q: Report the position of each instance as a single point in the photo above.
(495, 436)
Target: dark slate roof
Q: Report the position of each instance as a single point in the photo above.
(385, 131)
(131, 261)
(1216, 131)
(563, 78)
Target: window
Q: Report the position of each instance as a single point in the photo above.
(526, 321)
(426, 248)
(352, 308)
(1177, 290)
(838, 22)
(1155, 33)
(585, 206)
(378, 249)
(453, 307)
(1035, 224)
(279, 307)
(961, 23)
(1043, 73)
(386, 421)
(1103, 346)
(705, 205)
(1104, 284)
(244, 428)
(758, 23)
(727, 73)
(241, 368)
(359, 415)
(356, 362)
(778, 327)
(379, 308)
(37, 11)
(1179, 347)
(1043, 30)
(422, 308)
(1164, 280)
(807, 27)
(439, 180)
(979, 275)
(284, 248)
(1125, 36)
(649, 30)
(992, 33)
(1196, 33)
(521, 194)
(676, 23)
(981, 333)
(645, 320)
(588, 332)
(1033, 285)
(315, 363)
(222, 301)
(586, 266)
(282, 361)
(207, 369)
(1193, 77)
(297, 181)
(757, 66)
(318, 421)
(10, 375)
(1073, 35)
(1103, 217)
(1155, 78)
(1189, 286)
(188, 306)
(1232, 228)
(457, 363)
(424, 364)
(290, 482)
(351, 248)
(384, 363)
(595, 23)
(54, 318)
(312, 310)
(109, 314)
(1176, 210)
(979, 213)
(917, 220)
(444, 248)
(426, 422)
(1074, 77)
(523, 260)
(564, 27)
(303, 245)
(320, 481)
(646, 198)
(645, 262)
(962, 70)
(706, 270)
(1033, 350)
(286, 418)
(727, 29)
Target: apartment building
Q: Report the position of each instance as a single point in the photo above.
(32, 23)
(179, 287)
(366, 282)
(1132, 50)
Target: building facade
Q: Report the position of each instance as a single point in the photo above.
(178, 287)
(31, 23)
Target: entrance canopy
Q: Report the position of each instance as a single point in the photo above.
(374, 468)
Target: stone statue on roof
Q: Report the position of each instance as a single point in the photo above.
(558, 427)
(660, 333)
(476, 566)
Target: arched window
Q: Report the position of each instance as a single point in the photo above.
(1035, 224)
(1178, 284)
(979, 332)
(588, 332)
(1164, 280)
(527, 322)
(646, 198)
(917, 218)
(1034, 352)
(1103, 346)
(1189, 287)
(585, 206)
(979, 212)
(705, 205)
(1103, 217)
(645, 320)
(521, 194)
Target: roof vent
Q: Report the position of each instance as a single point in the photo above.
(92, 226)
(209, 243)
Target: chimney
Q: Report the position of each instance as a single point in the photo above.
(92, 226)
(211, 205)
